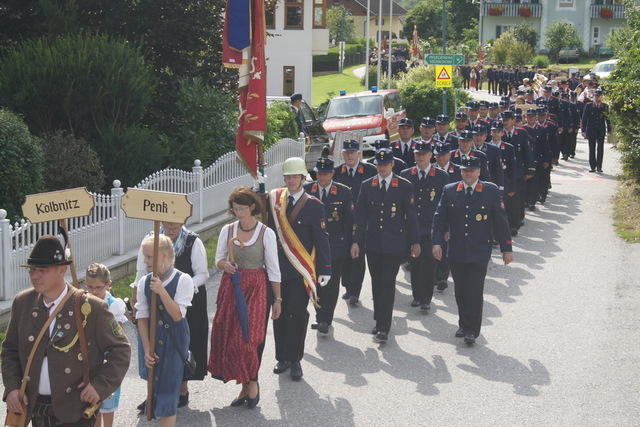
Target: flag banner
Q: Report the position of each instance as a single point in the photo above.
(236, 34)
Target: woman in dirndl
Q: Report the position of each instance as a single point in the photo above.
(248, 254)
(175, 291)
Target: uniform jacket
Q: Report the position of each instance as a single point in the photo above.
(397, 148)
(361, 172)
(595, 122)
(105, 338)
(540, 147)
(426, 195)
(311, 228)
(398, 165)
(575, 111)
(338, 206)
(454, 172)
(494, 160)
(470, 221)
(551, 134)
(456, 157)
(386, 221)
(450, 138)
(508, 166)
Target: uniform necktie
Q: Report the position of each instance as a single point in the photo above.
(324, 195)
(406, 149)
(350, 172)
(469, 191)
(290, 205)
(422, 175)
(383, 185)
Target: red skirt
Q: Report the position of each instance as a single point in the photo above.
(232, 358)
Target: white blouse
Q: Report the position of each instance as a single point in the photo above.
(198, 264)
(270, 248)
(118, 308)
(183, 296)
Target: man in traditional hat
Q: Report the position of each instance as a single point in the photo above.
(300, 225)
(67, 374)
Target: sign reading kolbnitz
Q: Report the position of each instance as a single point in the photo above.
(57, 205)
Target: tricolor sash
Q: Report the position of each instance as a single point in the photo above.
(303, 261)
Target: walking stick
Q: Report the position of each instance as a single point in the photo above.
(153, 320)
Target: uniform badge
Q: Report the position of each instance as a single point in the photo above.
(323, 224)
(478, 217)
(314, 188)
(116, 328)
(375, 182)
(502, 205)
(432, 195)
(394, 182)
(334, 190)
(486, 216)
(360, 169)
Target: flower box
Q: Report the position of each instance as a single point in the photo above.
(496, 10)
(606, 13)
(524, 11)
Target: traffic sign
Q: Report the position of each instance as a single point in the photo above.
(444, 75)
(442, 59)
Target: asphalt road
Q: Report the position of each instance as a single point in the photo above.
(559, 344)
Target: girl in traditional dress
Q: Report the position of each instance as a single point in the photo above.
(98, 283)
(175, 291)
(237, 345)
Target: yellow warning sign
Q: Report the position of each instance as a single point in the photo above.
(444, 75)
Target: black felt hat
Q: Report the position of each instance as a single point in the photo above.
(48, 251)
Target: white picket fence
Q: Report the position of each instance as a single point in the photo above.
(107, 232)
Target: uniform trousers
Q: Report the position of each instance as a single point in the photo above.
(468, 278)
(290, 329)
(573, 139)
(353, 274)
(565, 143)
(383, 268)
(513, 205)
(543, 179)
(43, 416)
(423, 272)
(443, 270)
(531, 194)
(328, 294)
(596, 152)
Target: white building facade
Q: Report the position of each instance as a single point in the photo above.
(296, 30)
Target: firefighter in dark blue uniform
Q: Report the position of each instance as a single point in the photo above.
(403, 148)
(398, 164)
(306, 216)
(442, 131)
(524, 170)
(428, 182)
(442, 153)
(508, 156)
(565, 125)
(575, 109)
(494, 157)
(427, 132)
(461, 122)
(595, 124)
(465, 149)
(351, 173)
(469, 211)
(386, 225)
(338, 205)
(547, 149)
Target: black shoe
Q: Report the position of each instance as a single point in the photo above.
(592, 170)
(142, 407)
(425, 306)
(314, 326)
(346, 295)
(599, 170)
(470, 338)
(296, 371)
(381, 337)
(251, 403)
(532, 208)
(183, 400)
(543, 200)
(415, 303)
(374, 331)
(281, 367)
(323, 327)
(565, 158)
(442, 285)
(239, 401)
(460, 333)
(573, 156)
(514, 232)
(353, 300)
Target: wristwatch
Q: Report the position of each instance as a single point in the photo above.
(278, 299)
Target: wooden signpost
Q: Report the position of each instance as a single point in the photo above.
(60, 206)
(156, 206)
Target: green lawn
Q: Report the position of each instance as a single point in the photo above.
(120, 288)
(583, 64)
(328, 86)
(626, 211)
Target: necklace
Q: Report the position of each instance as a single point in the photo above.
(249, 229)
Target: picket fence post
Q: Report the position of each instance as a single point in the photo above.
(5, 254)
(198, 177)
(116, 195)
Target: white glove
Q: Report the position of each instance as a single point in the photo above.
(323, 280)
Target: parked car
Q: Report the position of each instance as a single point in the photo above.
(316, 136)
(374, 113)
(605, 68)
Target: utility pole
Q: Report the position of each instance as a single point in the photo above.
(444, 51)
(389, 44)
(366, 34)
(379, 42)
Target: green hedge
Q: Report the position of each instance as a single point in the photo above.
(281, 123)
(22, 163)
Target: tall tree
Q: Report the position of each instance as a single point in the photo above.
(561, 35)
(340, 23)
(427, 16)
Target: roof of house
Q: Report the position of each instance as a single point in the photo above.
(362, 5)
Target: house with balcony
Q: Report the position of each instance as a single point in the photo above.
(595, 20)
(296, 30)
